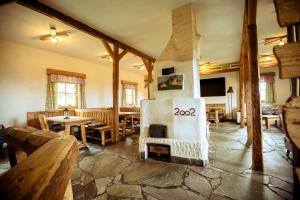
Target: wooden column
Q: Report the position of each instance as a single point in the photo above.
(254, 101)
(246, 76)
(149, 66)
(242, 96)
(116, 56)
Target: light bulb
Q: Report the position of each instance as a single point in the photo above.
(281, 43)
(54, 39)
(142, 67)
(268, 58)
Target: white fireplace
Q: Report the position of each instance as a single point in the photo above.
(182, 111)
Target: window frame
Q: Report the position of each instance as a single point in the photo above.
(132, 97)
(65, 94)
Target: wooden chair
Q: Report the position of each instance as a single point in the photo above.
(43, 122)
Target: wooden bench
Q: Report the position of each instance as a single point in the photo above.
(103, 116)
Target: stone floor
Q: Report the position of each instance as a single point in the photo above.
(115, 172)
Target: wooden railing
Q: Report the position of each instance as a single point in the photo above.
(46, 172)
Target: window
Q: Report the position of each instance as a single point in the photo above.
(66, 95)
(130, 96)
(263, 92)
(266, 87)
(129, 93)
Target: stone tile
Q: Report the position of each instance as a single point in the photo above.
(276, 182)
(90, 190)
(215, 183)
(238, 187)
(277, 166)
(143, 170)
(103, 165)
(209, 173)
(173, 177)
(76, 173)
(217, 197)
(101, 197)
(174, 194)
(235, 161)
(282, 193)
(101, 184)
(198, 184)
(148, 197)
(78, 191)
(86, 178)
(118, 178)
(129, 191)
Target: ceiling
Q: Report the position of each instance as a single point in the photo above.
(142, 24)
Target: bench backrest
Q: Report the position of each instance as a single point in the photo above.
(99, 115)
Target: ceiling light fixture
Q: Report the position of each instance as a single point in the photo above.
(281, 43)
(54, 39)
(139, 66)
(53, 31)
(268, 58)
(106, 57)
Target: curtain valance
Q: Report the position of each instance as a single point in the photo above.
(267, 77)
(57, 78)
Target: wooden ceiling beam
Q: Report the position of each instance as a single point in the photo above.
(108, 48)
(55, 14)
(4, 2)
(123, 53)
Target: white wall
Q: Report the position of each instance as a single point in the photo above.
(231, 79)
(281, 86)
(23, 80)
(281, 89)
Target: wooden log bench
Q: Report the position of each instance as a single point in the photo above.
(45, 171)
(291, 120)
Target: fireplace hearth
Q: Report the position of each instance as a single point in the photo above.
(157, 131)
(159, 152)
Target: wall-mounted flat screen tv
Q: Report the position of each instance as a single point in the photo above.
(213, 87)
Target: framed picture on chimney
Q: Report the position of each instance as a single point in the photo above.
(172, 82)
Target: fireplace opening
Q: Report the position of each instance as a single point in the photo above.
(159, 152)
(157, 131)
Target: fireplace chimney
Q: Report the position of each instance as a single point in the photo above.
(177, 103)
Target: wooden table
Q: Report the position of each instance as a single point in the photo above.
(129, 115)
(267, 119)
(72, 121)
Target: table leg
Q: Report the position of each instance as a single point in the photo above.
(267, 123)
(83, 134)
(103, 138)
(132, 124)
(67, 129)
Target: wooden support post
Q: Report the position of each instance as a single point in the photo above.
(116, 56)
(149, 66)
(242, 96)
(115, 94)
(247, 81)
(257, 155)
